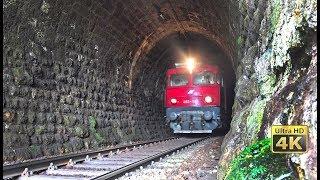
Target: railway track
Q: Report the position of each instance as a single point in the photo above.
(103, 164)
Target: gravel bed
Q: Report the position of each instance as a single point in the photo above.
(196, 162)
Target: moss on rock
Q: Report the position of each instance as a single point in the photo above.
(93, 131)
(275, 14)
(79, 131)
(40, 129)
(258, 162)
(240, 41)
(35, 151)
(254, 120)
(267, 85)
(17, 71)
(45, 7)
(69, 120)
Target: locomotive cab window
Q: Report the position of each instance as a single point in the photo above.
(206, 77)
(178, 80)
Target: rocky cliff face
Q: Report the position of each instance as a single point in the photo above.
(276, 79)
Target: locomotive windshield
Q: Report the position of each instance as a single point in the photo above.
(178, 80)
(205, 78)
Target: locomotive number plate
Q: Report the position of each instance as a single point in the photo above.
(186, 101)
(289, 139)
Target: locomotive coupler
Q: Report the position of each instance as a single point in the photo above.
(191, 124)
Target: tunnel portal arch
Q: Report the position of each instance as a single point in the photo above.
(168, 29)
(149, 72)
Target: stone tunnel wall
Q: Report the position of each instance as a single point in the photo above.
(151, 75)
(65, 81)
(276, 78)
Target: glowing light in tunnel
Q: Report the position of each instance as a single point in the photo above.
(190, 63)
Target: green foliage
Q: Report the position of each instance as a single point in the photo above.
(240, 40)
(98, 137)
(92, 123)
(258, 162)
(92, 127)
(275, 14)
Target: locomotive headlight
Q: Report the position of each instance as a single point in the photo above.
(173, 100)
(208, 99)
(207, 115)
(190, 64)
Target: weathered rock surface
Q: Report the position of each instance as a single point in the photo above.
(277, 83)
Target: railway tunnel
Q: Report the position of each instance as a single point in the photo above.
(174, 49)
(81, 75)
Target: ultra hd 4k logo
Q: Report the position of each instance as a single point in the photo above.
(289, 139)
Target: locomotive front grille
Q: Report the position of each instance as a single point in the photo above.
(193, 119)
(207, 113)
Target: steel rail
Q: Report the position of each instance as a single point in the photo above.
(14, 170)
(121, 171)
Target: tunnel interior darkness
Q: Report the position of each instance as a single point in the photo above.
(173, 49)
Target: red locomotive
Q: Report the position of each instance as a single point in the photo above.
(193, 98)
